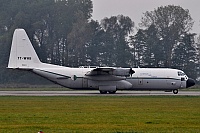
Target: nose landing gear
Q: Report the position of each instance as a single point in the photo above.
(175, 91)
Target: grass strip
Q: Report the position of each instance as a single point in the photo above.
(100, 114)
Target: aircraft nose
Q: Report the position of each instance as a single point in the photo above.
(190, 82)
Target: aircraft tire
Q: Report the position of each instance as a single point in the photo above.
(111, 92)
(103, 92)
(175, 91)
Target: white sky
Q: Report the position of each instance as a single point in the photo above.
(135, 9)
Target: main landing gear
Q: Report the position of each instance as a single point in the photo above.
(105, 92)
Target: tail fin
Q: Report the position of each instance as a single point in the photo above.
(22, 54)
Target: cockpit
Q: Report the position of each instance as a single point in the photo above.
(182, 75)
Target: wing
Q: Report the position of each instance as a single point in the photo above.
(124, 72)
(100, 71)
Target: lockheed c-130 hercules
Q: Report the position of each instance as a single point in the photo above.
(104, 79)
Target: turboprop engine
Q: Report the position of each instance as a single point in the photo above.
(123, 72)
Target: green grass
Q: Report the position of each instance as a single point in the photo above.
(100, 114)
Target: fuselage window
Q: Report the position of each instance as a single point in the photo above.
(182, 79)
(181, 73)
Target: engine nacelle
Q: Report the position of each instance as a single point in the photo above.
(123, 72)
(123, 84)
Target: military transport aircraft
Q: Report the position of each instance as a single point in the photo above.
(104, 79)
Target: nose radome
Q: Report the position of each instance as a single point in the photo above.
(190, 82)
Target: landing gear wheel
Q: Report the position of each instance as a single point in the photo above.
(112, 92)
(175, 91)
(103, 92)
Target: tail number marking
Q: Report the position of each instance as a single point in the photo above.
(24, 58)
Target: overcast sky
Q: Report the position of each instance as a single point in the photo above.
(135, 9)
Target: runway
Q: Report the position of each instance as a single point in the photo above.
(96, 93)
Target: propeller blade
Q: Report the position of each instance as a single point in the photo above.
(131, 72)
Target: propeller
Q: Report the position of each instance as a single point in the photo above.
(131, 72)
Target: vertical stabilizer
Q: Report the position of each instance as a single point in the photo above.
(22, 54)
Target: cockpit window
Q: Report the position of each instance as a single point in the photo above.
(181, 73)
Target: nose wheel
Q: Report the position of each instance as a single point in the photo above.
(175, 91)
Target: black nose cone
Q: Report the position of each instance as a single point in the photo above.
(190, 82)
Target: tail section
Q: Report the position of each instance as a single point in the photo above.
(22, 54)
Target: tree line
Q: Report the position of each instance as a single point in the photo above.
(64, 33)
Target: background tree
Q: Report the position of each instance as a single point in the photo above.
(63, 33)
(48, 24)
(95, 45)
(153, 48)
(147, 48)
(78, 38)
(137, 43)
(185, 55)
(117, 29)
(171, 22)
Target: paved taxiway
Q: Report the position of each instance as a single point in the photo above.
(96, 93)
